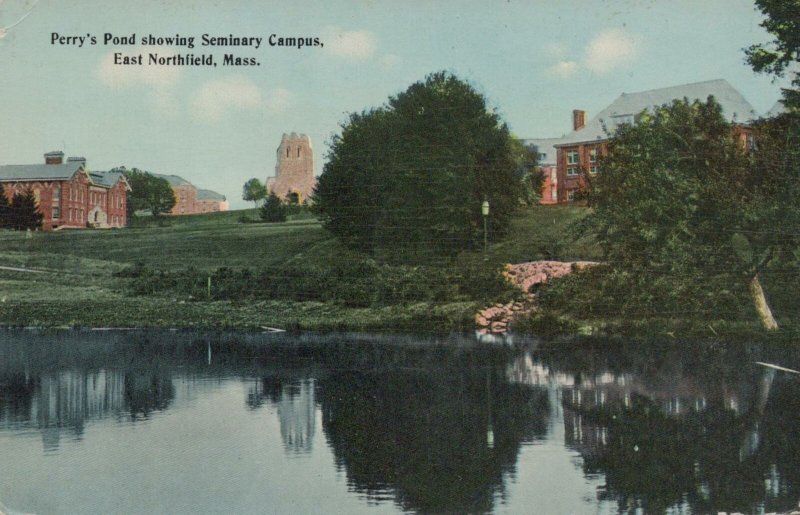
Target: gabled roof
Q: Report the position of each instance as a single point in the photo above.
(777, 109)
(734, 107)
(209, 195)
(40, 172)
(544, 146)
(108, 179)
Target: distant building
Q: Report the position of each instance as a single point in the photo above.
(210, 201)
(189, 200)
(294, 170)
(546, 159)
(580, 149)
(68, 194)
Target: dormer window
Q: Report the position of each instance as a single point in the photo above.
(622, 119)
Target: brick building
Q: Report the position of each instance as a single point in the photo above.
(579, 150)
(69, 195)
(189, 200)
(294, 179)
(211, 202)
(546, 162)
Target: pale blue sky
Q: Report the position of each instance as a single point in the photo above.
(535, 61)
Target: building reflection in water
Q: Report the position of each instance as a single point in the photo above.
(66, 400)
(295, 400)
(673, 438)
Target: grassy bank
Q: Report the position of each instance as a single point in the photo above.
(85, 276)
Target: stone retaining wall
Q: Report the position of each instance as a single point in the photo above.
(527, 277)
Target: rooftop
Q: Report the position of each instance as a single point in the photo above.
(209, 195)
(42, 172)
(622, 110)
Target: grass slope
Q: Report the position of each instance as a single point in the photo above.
(78, 287)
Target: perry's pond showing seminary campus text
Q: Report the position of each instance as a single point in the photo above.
(367, 256)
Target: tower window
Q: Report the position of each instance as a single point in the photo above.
(298, 151)
(287, 151)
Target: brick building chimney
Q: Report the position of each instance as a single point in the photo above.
(74, 159)
(578, 119)
(55, 157)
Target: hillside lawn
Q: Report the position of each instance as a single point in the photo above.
(77, 286)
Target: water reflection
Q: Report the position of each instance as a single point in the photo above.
(296, 403)
(678, 428)
(422, 428)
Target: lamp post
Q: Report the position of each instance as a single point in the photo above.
(485, 211)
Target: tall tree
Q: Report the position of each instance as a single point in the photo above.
(25, 212)
(412, 175)
(781, 55)
(678, 197)
(254, 191)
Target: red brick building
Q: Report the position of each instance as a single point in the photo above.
(69, 195)
(190, 201)
(580, 150)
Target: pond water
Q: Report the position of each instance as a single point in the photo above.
(171, 422)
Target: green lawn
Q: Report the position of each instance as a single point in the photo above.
(79, 288)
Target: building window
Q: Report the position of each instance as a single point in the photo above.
(287, 151)
(542, 157)
(593, 155)
(56, 213)
(572, 157)
(572, 171)
(298, 151)
(554, 194)
(57, 194)
(593, 169)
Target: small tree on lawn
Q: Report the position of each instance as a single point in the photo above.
(273, 209)
(253, 191)
(25, 211)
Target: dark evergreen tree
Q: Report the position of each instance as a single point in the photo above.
(5, 209)
(273, 209)
(25, 212)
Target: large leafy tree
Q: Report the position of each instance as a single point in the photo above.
(781, 55)
(253, 191)
(25, 212)
(148, 193)
(678, 197)
(409, 177)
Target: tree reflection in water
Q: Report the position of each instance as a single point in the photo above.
(684, 426)
(440, 437)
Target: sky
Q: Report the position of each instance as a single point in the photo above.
(534, 61)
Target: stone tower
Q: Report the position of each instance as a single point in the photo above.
(294, 169)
